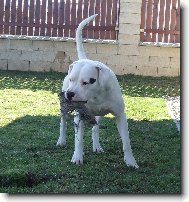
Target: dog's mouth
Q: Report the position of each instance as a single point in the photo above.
(77, 101)
(62, 95)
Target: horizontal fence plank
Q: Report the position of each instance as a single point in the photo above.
(58, 17)
(159, 31)
(70, 27)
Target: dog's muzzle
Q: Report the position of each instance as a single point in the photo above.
(69, 95)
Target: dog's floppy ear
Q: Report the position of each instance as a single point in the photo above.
(98, 74)
(70, 68)
(102, 75)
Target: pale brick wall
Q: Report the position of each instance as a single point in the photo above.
(125, 56)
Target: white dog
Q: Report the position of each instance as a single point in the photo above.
(96, 84)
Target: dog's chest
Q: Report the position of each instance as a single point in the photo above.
(98, 109)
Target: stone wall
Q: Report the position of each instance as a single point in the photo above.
(125, 56)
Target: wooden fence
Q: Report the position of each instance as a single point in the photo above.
(58, 18)
(160, 21)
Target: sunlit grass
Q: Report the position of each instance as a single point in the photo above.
(19, 103)
(29, 128)
(146, 108)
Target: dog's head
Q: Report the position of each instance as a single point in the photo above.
(86, 80)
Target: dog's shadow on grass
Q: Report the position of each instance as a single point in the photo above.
(131, 85)
(29, 155)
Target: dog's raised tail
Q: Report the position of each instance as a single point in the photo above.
(79, 44)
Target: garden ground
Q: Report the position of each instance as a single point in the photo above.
(31, 163)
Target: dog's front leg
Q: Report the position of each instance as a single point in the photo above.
(62, 138)
(95, 136)
(122, 126)
(79, 131)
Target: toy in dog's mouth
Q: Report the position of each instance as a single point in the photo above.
(67, 107)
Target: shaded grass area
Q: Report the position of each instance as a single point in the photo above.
(130, 84)
(31, 163)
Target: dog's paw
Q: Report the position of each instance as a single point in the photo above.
(131, 162)
(61, 142)
(77, 158)
(97, 149)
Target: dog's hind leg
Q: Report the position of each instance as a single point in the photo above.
(122, 126)
(79, 132)
(95, 136)
(62, 138)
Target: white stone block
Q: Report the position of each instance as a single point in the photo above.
(130, 18)
(48, 56)
(142, 61)
(3, 64)
(20, 65)
(43, 45)
(156, 61)
(132, 29)
(4, 44)
(20, 44)
(159, 51)
(60, 67)
(130, 7)
(121, 60)
(90, 47)
(146, 71)
(62, 57)
(128, 50)
(126, 69)
(73, 56)
(128, 39)
(107, 49)
(10, 54)
(65, 46)
(162, 71)
(41, 66)
(98, 57)
(175, 62)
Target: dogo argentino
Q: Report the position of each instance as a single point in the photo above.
(94, 84)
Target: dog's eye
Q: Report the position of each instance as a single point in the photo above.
(85, 83)
(92, 80)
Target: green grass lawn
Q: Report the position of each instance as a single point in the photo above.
(29, 128)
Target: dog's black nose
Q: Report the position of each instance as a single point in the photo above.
(70, 95)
